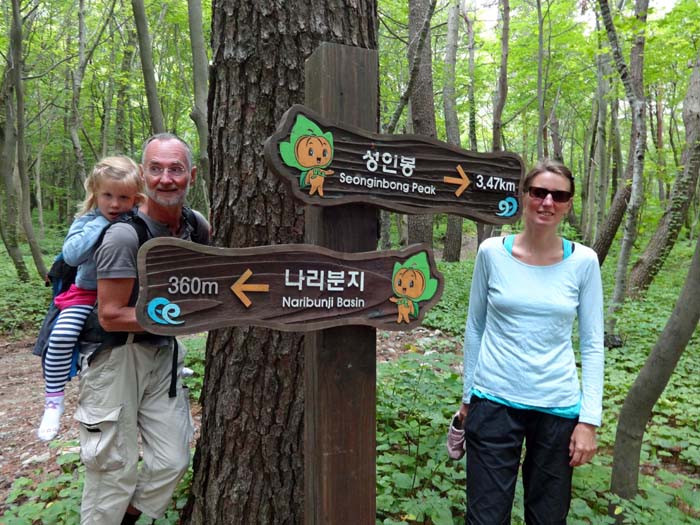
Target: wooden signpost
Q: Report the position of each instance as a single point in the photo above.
(339, 288)
(328, 163)
(188, 288)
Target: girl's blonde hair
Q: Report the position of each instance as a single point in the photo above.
(117, 168)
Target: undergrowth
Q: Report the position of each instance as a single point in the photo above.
(416, 396)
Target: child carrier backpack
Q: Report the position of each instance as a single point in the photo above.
(62, 275)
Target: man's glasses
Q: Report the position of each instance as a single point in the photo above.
(560, 196)
(156, 170)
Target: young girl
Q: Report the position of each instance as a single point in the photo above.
(113, 188)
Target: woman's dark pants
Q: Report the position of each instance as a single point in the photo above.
(494, 436)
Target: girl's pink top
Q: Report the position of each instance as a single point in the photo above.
(75, 296)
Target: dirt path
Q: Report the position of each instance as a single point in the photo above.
(21, 408)
(22, 398)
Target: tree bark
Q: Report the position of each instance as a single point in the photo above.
(501, 93)
(601, 143)
(121, 142)
(632, 80)
(8, 148)
(200, 76)
(453, 237)
(471, 44)
(587, 196)
(651, 382)
(420, 227)
(540, 81)
(155, 111)
(248, 466)
(682, 194)
(200, 79)
(85, 53)
(20, 158)
(484, 231)
(107, 108)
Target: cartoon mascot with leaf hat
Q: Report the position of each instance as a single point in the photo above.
(411, 283)
(310, 150)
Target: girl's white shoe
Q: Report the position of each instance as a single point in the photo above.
(51, 422)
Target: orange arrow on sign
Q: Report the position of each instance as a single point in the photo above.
(239, 287)
(463, 181)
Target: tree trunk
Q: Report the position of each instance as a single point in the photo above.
(76, 87)
(471, 44)
(659, 143)
(601, 144)
(200, 76)
(484, 231)
(20, 161)
(8, 148)
(38, 195)
(501, 93)
(84, 55)
(453, 237)
(385, 230)
(107, 109)
(651, 381)
(664, 238)
(540, 81)
(604, 151)
(420, 227)
(632, 80)
(149, 78)
(588, 174)
(248, 466)
(121, 144)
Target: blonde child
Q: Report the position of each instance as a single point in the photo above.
(113, 188)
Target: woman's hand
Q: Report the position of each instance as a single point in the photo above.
(463, 411)
(582, 446)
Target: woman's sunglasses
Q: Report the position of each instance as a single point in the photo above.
(541, 194)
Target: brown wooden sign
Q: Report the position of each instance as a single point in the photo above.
(189, 288)
(327, 164)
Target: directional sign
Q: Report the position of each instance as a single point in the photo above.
(327, 164)
(188, 288)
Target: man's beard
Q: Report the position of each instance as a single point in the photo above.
(174, 200)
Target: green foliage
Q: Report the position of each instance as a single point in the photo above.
(450, 314)
(55, 500)
(23, 304)
(45, 498)
(416, 481)
(194, 359)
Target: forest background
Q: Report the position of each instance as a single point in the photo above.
(611, 90)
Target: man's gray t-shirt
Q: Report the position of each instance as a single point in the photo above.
(116, 256)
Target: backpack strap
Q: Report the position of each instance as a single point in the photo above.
(191, 219)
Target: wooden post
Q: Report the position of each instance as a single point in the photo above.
(340, 362)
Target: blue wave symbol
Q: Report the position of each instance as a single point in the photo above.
(162, 311)
(508, 207)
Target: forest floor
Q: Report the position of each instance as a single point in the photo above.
(22, 454)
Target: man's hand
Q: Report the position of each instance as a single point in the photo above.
(582, 446)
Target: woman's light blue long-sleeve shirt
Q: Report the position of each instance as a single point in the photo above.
(79, 247)
(518, 339)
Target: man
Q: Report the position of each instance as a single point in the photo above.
(132, 385)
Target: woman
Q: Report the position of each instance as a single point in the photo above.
(520, 378)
